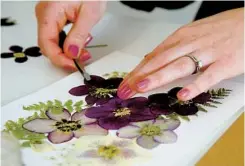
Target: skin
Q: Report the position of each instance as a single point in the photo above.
(216, 41)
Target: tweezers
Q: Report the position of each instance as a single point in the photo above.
(82, 70)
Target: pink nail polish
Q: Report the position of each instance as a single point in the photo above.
(143, 84)
(184, 93)
(124, 92)
(73, 49)
(88, 40)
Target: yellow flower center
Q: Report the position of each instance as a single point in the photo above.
(67, 126)
(122, 112)
(19, 55)
(150, 130)
(102, 92)
(108, 152)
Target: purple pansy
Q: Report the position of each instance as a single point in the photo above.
(63, 127)
(167, 103)
(98, 89)
(118, 113)
(151, 133)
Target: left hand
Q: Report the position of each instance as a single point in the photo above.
(216, 41)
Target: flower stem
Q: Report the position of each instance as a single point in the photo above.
(95, 46)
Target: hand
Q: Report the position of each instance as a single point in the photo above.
(216, 41)
(52, 17)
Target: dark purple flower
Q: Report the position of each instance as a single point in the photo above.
(98, 89)
(20, 55)
(118, 113)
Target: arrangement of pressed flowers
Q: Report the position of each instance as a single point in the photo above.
(150, 121)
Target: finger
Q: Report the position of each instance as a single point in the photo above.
(213, 75)
(88, 16)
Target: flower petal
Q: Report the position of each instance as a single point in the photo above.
(128, 132)
(90, 154)
(138, 115)
(128, 153)
(158, 98)
(57, 137)
(21, 60)
(98, 112)
(7, 55)
(79, 90)
(96, 81)
(33, 51)
(168, 124)
(91, 100)
(173, 92)
(58, 117)
(143, 123)
(113, 123)
(90, 129)
(184, 110)
(146, 142)
(166, 137)
(161, 110)
(112, 83)
(202, 98)
(80, 116)
(137, 102)
(102, 101)
(40, 125)
(16, 48)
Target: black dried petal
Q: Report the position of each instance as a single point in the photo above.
(33, 51)
(173, 92)
(202, 98)
(185, 110)
(16, 48)
(112, 83)
(21, 60)
(7, 55)
(96, 81)
(7, 22)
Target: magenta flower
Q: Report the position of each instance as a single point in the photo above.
(151, 133)
(98, 90)
(63, 127)
(118, 113)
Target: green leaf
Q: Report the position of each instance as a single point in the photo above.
(215, 102)
(209, 105)
(68, 105)
(26, 144)
(184, 118)
(78, 106)
(200, 108)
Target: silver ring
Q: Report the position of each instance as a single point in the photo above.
(198, 63)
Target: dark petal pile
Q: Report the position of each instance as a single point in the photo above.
(159, 104)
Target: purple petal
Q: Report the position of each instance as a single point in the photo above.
(21, 60)
(113, 123)
(128, 153)
(173, 92)
(184, 110)
(91, 129)
(166, 137)
(80, 116)
(112, 83)
(202, 98)
(7, 55)
(147, 142)
(58, 117)
(128, 132)
(161, 110)
(138, 115)
(91, 100)
(96, 81)
(90, 153)
(137, 102)
(79, 90)
(40, 125)
(98, 112)
(57, 137)
(143, 123)
(102, 101)
(16, 48)
(33, 51)
(168, 124)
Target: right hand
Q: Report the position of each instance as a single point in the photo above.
(52, 17)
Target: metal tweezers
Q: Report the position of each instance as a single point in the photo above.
(82, 70)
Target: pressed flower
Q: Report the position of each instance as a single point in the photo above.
(63, 127)
(20, 55)
(151, 133)
(104, 151)
(118, 113)
(7, 22)
(98, 89)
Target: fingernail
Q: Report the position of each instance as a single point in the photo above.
(73, 49)
(88, 40)
(184, 93)
(124, 92)
(142, 84)
(85, 55)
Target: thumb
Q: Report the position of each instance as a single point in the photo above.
(89, 14)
